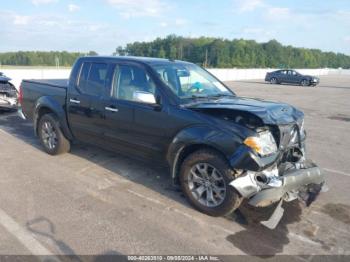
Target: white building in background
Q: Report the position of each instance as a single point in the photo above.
(223, 74)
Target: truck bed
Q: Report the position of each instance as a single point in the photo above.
(33, 90)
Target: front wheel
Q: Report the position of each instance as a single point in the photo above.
(304, 82)
(51, 136)
(205, 177)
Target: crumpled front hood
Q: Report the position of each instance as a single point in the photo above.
(272, 113)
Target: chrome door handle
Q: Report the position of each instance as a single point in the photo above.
(74, 101)
(111, 109)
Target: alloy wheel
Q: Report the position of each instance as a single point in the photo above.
(207, 185)
(49, 135)
(304, 83)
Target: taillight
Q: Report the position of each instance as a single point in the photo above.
(20, 95)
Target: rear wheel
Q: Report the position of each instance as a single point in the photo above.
(273, 81)
(205, 177)
(51, 136)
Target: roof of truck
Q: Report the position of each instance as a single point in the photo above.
(147, 60)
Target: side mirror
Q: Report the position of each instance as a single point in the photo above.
(144, 97)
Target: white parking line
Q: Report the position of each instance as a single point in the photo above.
(24, 236)
(145, 197)
(173, 209)
(304, 239)
(226, 230)
(336, 172)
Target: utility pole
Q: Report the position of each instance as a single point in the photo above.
(206, 58)
(57, 62)
(181, 51)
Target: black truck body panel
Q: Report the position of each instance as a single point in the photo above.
(46, 95)
(170, 128)
(138, 128)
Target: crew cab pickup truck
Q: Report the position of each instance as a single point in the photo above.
(221, 148)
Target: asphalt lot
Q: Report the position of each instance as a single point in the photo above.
(92, 201)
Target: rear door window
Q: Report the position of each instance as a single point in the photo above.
(93, 78)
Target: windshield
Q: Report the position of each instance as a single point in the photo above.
(189, 81)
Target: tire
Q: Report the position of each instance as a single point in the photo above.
(273, 81)
(223, 203)
(304, 82)
(51, 136)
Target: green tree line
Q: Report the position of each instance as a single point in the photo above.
(205, 51)
(38, 58)
(223, 53)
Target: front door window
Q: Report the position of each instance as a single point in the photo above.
(129, 79)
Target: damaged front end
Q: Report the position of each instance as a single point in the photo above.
(283, 176)
(270, 164)
(8, 93)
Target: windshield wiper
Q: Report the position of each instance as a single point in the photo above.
(220, 95)
(196, 97)
(208, 97)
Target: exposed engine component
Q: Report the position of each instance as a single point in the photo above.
(239, 117)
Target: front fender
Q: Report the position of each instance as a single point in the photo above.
(201, 135)
(58, 109)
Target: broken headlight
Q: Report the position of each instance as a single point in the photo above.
(264, 143)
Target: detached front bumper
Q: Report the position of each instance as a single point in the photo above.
(294, 184)
(304, 182)
(8, 102)
(8, 95)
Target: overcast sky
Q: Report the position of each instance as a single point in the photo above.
(102, 25)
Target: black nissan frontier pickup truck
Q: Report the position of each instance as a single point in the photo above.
(221, 148)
